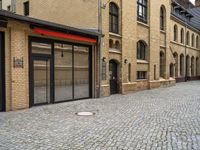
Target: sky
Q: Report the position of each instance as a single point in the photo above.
(193, 1)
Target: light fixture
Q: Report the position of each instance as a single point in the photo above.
(125, 61)
(104, 59)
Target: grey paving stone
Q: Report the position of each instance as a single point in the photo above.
(165, 118)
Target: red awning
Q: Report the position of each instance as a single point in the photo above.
(63, 35)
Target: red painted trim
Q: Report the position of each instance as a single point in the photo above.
(63, 35)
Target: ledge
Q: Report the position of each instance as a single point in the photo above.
(142, 61)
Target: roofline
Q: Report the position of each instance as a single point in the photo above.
(47, 24)
(185, 23)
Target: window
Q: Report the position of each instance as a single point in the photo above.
(192, 40)
(129, 72)
(175, 32)
(182, 36)
(141, 48)
(142, 10)
(0, 4)
(141, 75)
(162, 64)
(162, 19)
(26, 8)
(114, 18)
(197, 42)
(8, 8)
(171, 68)
(188, 38)
(181, 65)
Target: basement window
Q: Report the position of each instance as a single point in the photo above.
(26, 8)
(141, 75)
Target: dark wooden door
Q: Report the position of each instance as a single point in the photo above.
(113, 77)
(2, 73)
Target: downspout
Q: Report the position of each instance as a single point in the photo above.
(186, 51)
(99, 42)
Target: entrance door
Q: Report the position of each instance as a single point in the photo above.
(2, 73)
(41, 81)
(113, 77)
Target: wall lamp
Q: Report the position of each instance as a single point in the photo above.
(125, 61)
(104, 59)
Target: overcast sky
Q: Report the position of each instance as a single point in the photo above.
(193, 1)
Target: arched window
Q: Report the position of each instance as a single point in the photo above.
(117, 45)
(111, 43)
(182, 36)
(182, 65)
(192, 66)
(162, 64)
(162, 18)
(193, 40)
(188, 65)
(171, 70)
(188, 38)
(114, 18)
(142, 10)
(197, 42)
(197, 66)
(175, 32)
(176, 64)
(141, 50)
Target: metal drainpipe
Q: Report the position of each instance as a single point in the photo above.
(186, 52)
(99, 42)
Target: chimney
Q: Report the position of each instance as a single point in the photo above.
(197, 3)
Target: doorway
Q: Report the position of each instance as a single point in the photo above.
(41, 80)
(113, 77)
(2, 72)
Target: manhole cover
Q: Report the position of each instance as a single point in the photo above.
(85, 114)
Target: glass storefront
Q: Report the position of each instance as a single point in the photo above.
(60, 72)
(63, 72)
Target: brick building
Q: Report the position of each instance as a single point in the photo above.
(145, 44)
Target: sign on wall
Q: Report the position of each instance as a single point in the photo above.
(103, 70)
(18, 62)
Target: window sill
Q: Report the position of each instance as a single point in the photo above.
(115, 51)
(163, 31)
(142, 61)
(143, 24)
(141, 80)
(115, 34)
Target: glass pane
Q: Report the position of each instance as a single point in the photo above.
(41, 48)
(63, 72)
(81, 72)
(41, 81)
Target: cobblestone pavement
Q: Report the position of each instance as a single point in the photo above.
(161, 119)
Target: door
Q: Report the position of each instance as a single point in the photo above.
(41, 81)
(2, 73)
(113, 77)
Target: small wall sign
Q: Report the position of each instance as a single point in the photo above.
(104, 70)
(18, 62)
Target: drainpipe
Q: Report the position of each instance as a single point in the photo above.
(186, 68)
(99, 42)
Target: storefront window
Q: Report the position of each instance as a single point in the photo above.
(81, 72)
(41, 48)
(63, 72)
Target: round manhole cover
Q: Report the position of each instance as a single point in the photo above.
(85, 114)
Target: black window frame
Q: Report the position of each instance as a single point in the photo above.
(188, 38)
(26, 8)
(141, 75)
(51, 57)
(144, 6)
(141, 50)
(113, 15)
(197, 41)
(162, 19)
(182, 36)
(175, 33)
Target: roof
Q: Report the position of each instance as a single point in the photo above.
(5, 15)
(191, 16)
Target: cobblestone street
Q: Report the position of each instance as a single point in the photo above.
(162, 119)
